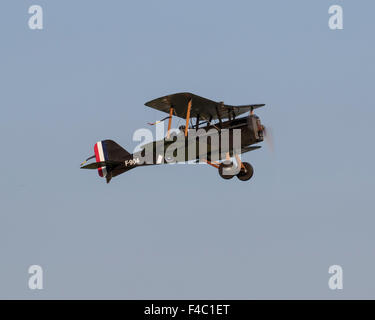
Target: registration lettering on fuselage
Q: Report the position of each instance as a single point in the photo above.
(131, 162)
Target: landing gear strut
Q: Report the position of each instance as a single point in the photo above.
(228, 171)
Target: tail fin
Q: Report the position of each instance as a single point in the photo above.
(108, 150)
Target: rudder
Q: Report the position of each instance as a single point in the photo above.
(108, 150)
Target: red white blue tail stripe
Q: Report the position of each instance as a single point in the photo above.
(101, 154)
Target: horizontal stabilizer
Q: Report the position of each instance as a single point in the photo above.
(96, 165)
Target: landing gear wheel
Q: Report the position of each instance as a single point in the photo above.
(225, 170)
(246, 173)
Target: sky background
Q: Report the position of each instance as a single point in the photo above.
(180, 231)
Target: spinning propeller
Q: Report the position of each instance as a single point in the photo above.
(268, 137)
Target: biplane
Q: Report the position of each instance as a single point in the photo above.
(212, 120)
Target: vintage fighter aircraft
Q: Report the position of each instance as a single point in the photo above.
(213, 117)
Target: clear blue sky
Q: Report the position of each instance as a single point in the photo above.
(181, 231)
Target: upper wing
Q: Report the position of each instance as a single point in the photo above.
(204, 108)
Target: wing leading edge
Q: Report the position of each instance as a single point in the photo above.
(201, 107)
